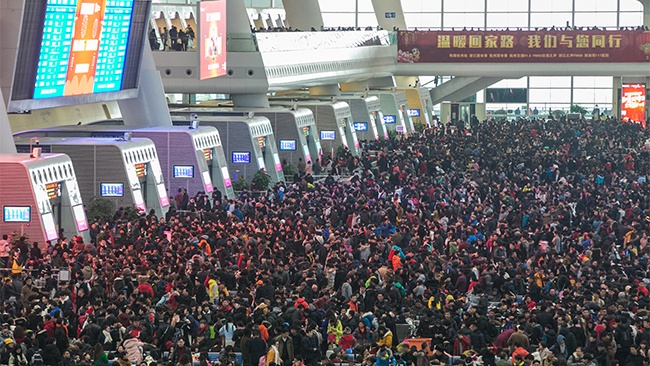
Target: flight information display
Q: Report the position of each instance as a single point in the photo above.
(84, 47)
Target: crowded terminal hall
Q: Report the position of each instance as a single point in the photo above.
(514, 242)
(324, 183)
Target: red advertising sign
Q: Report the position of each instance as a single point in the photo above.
(212, 39)
(633, 99)
(84, 48)
(523, 46)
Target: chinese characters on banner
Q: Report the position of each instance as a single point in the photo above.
(212, 39)
(523, 46)
(633, 99)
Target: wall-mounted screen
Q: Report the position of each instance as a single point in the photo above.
(287, 145)
(78, 48)
(212, 39)
(633, 101)
(207, 153)
(328, 135)
(183, 171)
(241, 157)
(389, 119)
(111, 189)
(17, 214)
(140, 170)
(414, 112)
(361, 126)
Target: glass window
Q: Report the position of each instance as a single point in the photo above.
(367, 20)
(423, 20)
(341, 6)
(539, 95)
(630, 19)
(460, 20)
(510, 20)
(421, 5)
(560, 95)
(549, 19)
(465, 5)
(593, 82)
(365, 6)
(595, 96)
(595, 19)
(596, 5)
(550, 81)
(631, 5)
(550, 5)
(338, 19)
(507, 6)
(511, 83)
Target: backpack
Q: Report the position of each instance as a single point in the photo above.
(262, 361)
(37, 359)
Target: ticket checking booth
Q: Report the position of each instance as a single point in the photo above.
(40, 196)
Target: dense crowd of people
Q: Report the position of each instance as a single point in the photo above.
(513, 243)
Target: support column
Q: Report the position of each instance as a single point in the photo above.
(646, 12)
(303, 14)
(7, 145)
(149, 108)
(384, 11)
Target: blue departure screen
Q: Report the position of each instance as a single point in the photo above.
(83, 48)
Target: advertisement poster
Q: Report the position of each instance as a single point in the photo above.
(523, 46)
(212, 39)
(633, 100)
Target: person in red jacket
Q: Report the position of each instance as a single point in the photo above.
(144, 287)
(347, 340)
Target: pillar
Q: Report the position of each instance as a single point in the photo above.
(303, 14)
(7, 145)
(646, 12)
(384, 11)
(149, 108)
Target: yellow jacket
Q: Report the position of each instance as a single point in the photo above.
(386, 340)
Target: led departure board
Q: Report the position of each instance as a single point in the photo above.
(78, 51)
(83, 48)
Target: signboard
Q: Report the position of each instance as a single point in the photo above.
(414, 112)
(328, 135)
(140, 170)
(111, 189)
(361, 126)
(389, 119)
(207, 182)
(241, 157)
(80, 218)
(633, 102)
(84, 47)
(523, 46)
(207, 153)
(162, 195)
(390, 15)
(53, 190)
(287, 145)
(212, 39)
(183, 171)
(17, 214)
(399, 128)
(226, 177)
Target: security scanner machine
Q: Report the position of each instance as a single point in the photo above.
(367, 115)
(123, 169)
(394, 106)
(40, 197)
(419, 101)
(249, 144)
(333, 120)
(294, 129)
(199, 168)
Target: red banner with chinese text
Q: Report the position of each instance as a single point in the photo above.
(523, 46)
